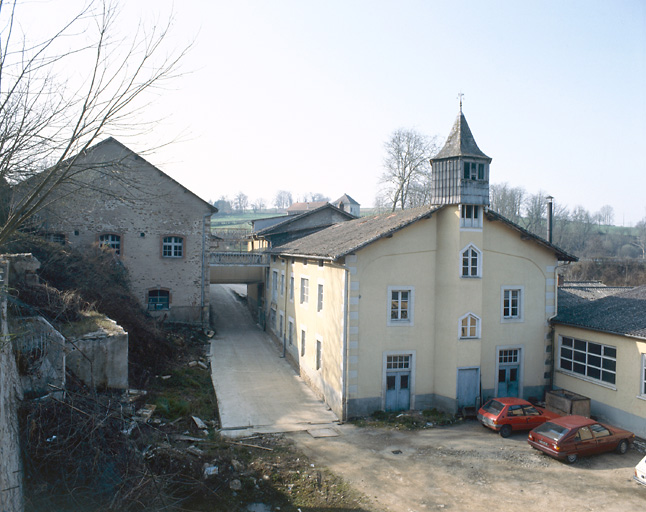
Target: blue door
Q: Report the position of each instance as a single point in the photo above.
(508, 380)
(397, 391)
(468, 387)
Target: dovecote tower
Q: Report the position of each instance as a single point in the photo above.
(460, 170)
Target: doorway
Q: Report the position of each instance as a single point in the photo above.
(398, 382)
(508, 372)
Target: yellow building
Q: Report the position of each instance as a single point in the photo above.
(600, 351)
(441, 306)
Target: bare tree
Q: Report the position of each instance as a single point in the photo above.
(283, 199)
(640, 239)
(606, 215)
(535, 210)
(258, 205)
(507, 201)
(241, 202)
(406, 179)
(48, 120)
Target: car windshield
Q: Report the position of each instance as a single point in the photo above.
(493, 407)
(551, 430)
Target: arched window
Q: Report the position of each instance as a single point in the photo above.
(469, 326)
(471, 261)
(111, 241)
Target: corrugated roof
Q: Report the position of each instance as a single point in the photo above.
(622, 313)
(346, 237)
(460, 142)
(290, 219)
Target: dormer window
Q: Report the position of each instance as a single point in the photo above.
(470, 216)
(474, 171)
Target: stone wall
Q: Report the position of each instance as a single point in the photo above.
(11, 492)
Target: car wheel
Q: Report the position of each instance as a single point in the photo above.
(622, 447)
(572, 458)
(505, 431)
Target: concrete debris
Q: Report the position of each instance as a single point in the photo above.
(146, 412)
(166, 377)
(192, 364)
(202, 365)
(199, 423)
(235, 485)
(209, 470)
(194, 450)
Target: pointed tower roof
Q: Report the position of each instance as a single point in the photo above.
(460, 142)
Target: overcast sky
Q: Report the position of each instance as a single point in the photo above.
(301, 95)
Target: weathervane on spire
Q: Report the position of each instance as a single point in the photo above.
(460, 96)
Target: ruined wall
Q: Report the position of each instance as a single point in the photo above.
(100, 359)
(11, 497)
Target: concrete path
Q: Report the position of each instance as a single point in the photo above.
(257, 390)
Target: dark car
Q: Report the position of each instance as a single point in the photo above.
(507, 415)
(567, 437)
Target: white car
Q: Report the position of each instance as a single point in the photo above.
(640, 472)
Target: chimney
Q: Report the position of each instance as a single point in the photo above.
(549, 218)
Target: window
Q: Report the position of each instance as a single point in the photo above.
(290, 332)
(282, 284)
(592, 360)
(469, 326)
(281, 323)
(172, 247)
(111, 241)
(56, 238)
(319, 303)
(643, 379)
(318, 354)
(291, 288)
(158, 300)
(508, 356)
(470, 216)
(512, 304)
(474, 171)
(305, 284)
(274, 284)
(303, 335)
(471, 262)
(399, 362)
(400, 305)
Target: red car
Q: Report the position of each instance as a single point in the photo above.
(568, 437)
(507, 415)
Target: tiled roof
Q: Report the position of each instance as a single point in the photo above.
(560, 253)
(346, 237)
(460, 142)
(621, 313)
(573, 293)
(289, 219)
(345, 198)
(310, 205)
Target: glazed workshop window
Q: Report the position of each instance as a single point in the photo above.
(471, 262)
(291, 288)
(512, 304)
(110, 241)
(588, 359)
(469, 326)
(474, 171)
(158, 300)
(319, 354)
(172, 247)
(319, 302)
(398, 362)
(470, 216)
(305, 292)
(400, 305)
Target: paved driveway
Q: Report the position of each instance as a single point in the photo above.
(257, 390)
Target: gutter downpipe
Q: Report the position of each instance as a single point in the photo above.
(285, 310)
(344, 359)
(203, 298)
(550, 218)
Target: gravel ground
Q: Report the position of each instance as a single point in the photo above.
(468, 467)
